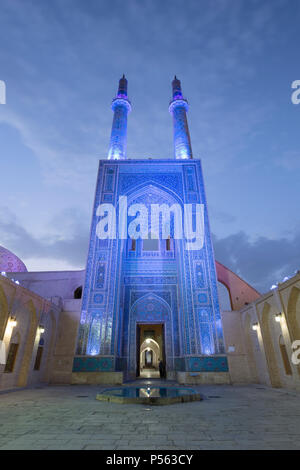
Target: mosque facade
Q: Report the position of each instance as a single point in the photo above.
(144, 280)
(150, 290)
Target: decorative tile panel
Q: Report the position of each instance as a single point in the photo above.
(93, 364)
(207, 364)
(182, 283)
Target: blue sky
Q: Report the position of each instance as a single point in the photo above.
(236, 59)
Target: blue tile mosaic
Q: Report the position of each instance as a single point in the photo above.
(207, 364)
(93, 364)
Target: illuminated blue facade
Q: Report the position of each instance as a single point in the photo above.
(129, 284)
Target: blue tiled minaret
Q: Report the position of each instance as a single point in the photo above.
(121, 107)
(178, 108)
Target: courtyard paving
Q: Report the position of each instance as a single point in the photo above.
(229, 417)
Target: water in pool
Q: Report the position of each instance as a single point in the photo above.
(139, 392)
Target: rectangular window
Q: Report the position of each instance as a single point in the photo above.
(38, 358)
(150, 244)
(11, 357)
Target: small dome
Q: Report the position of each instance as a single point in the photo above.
(10, 263)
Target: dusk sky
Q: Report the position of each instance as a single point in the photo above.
(61, 61)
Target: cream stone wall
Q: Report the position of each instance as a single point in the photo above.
(262, 356)
(235, 347)
(200, 378)
(95, 378)
(264, 347)
(30, 311)
(257, 364)
(257, 356)
(65, 348)
(50, 284)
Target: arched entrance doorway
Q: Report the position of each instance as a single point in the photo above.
(150, 319)
(151, 350)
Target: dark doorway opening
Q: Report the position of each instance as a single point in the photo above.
(78, 293)
(150, 350)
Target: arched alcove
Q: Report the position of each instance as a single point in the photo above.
(284, 356)
(293, 316)
(51, 345)
(269, 346)
(78, 292)
(151, 310)
(293, 313)
(250, 348)
(44, 348)
(12, 352)
(3, 312)
(150, 191)
(148, 194)
(29, 344)
(152, 345)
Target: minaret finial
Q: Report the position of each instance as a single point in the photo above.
(122, 90)
(176, 86)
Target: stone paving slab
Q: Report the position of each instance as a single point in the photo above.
(229, 417)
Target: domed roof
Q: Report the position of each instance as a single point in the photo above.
(10, 263)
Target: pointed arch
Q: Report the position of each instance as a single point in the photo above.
(152, 187)
(3, 312)
(153, 346)
(151, 296)
(50, 324)
(284, 356)
(293, 316)
(149, 309)
(269, 346)
(155, 343)
(249, 348)
(293, 313)
(16, 337)
(29, 344)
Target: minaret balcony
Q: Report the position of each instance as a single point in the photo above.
(121, 102)
(178, 103)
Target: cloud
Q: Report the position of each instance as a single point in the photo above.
(59, 93)
(261, 262)
(67, 241)
(221, 216)
(61, 69)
